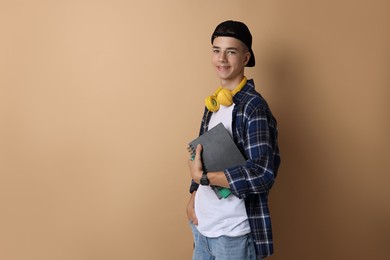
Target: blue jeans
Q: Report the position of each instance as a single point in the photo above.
(223, 247)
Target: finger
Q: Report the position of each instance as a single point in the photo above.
(195, 221)
(198, 152)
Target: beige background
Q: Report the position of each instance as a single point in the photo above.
(98, 100)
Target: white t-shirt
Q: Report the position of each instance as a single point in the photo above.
(218, 217)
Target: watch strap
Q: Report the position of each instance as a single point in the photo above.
(204, 180)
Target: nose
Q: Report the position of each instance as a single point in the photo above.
(222, 56)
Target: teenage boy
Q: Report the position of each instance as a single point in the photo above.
(237, 227)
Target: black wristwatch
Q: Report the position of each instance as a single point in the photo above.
(204, 180)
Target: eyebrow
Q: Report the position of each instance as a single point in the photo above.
(229, 48)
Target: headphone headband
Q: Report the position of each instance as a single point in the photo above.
(223, 96)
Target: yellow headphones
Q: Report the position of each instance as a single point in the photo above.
(223, 96)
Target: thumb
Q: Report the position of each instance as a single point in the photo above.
(198, 152)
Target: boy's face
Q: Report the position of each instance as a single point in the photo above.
(229, 58)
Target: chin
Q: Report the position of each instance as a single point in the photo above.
(224, 76)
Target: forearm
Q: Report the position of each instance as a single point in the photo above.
(218, 179)
(191, 201)
(191, 209)
(253, 178)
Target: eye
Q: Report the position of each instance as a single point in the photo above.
(215, 51)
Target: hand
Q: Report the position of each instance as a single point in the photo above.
(195, 166)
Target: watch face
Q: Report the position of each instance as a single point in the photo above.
(204, 180)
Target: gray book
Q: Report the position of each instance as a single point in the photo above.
(219, 153)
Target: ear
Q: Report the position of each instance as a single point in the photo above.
(247, 57)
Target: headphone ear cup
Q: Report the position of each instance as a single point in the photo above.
(225, 97)
(211, 103)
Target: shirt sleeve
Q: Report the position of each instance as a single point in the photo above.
(260, 145)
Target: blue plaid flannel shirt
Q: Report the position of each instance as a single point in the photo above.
(256, 135)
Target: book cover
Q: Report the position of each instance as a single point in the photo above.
(219, 153)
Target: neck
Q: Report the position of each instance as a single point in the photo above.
(232, 84)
